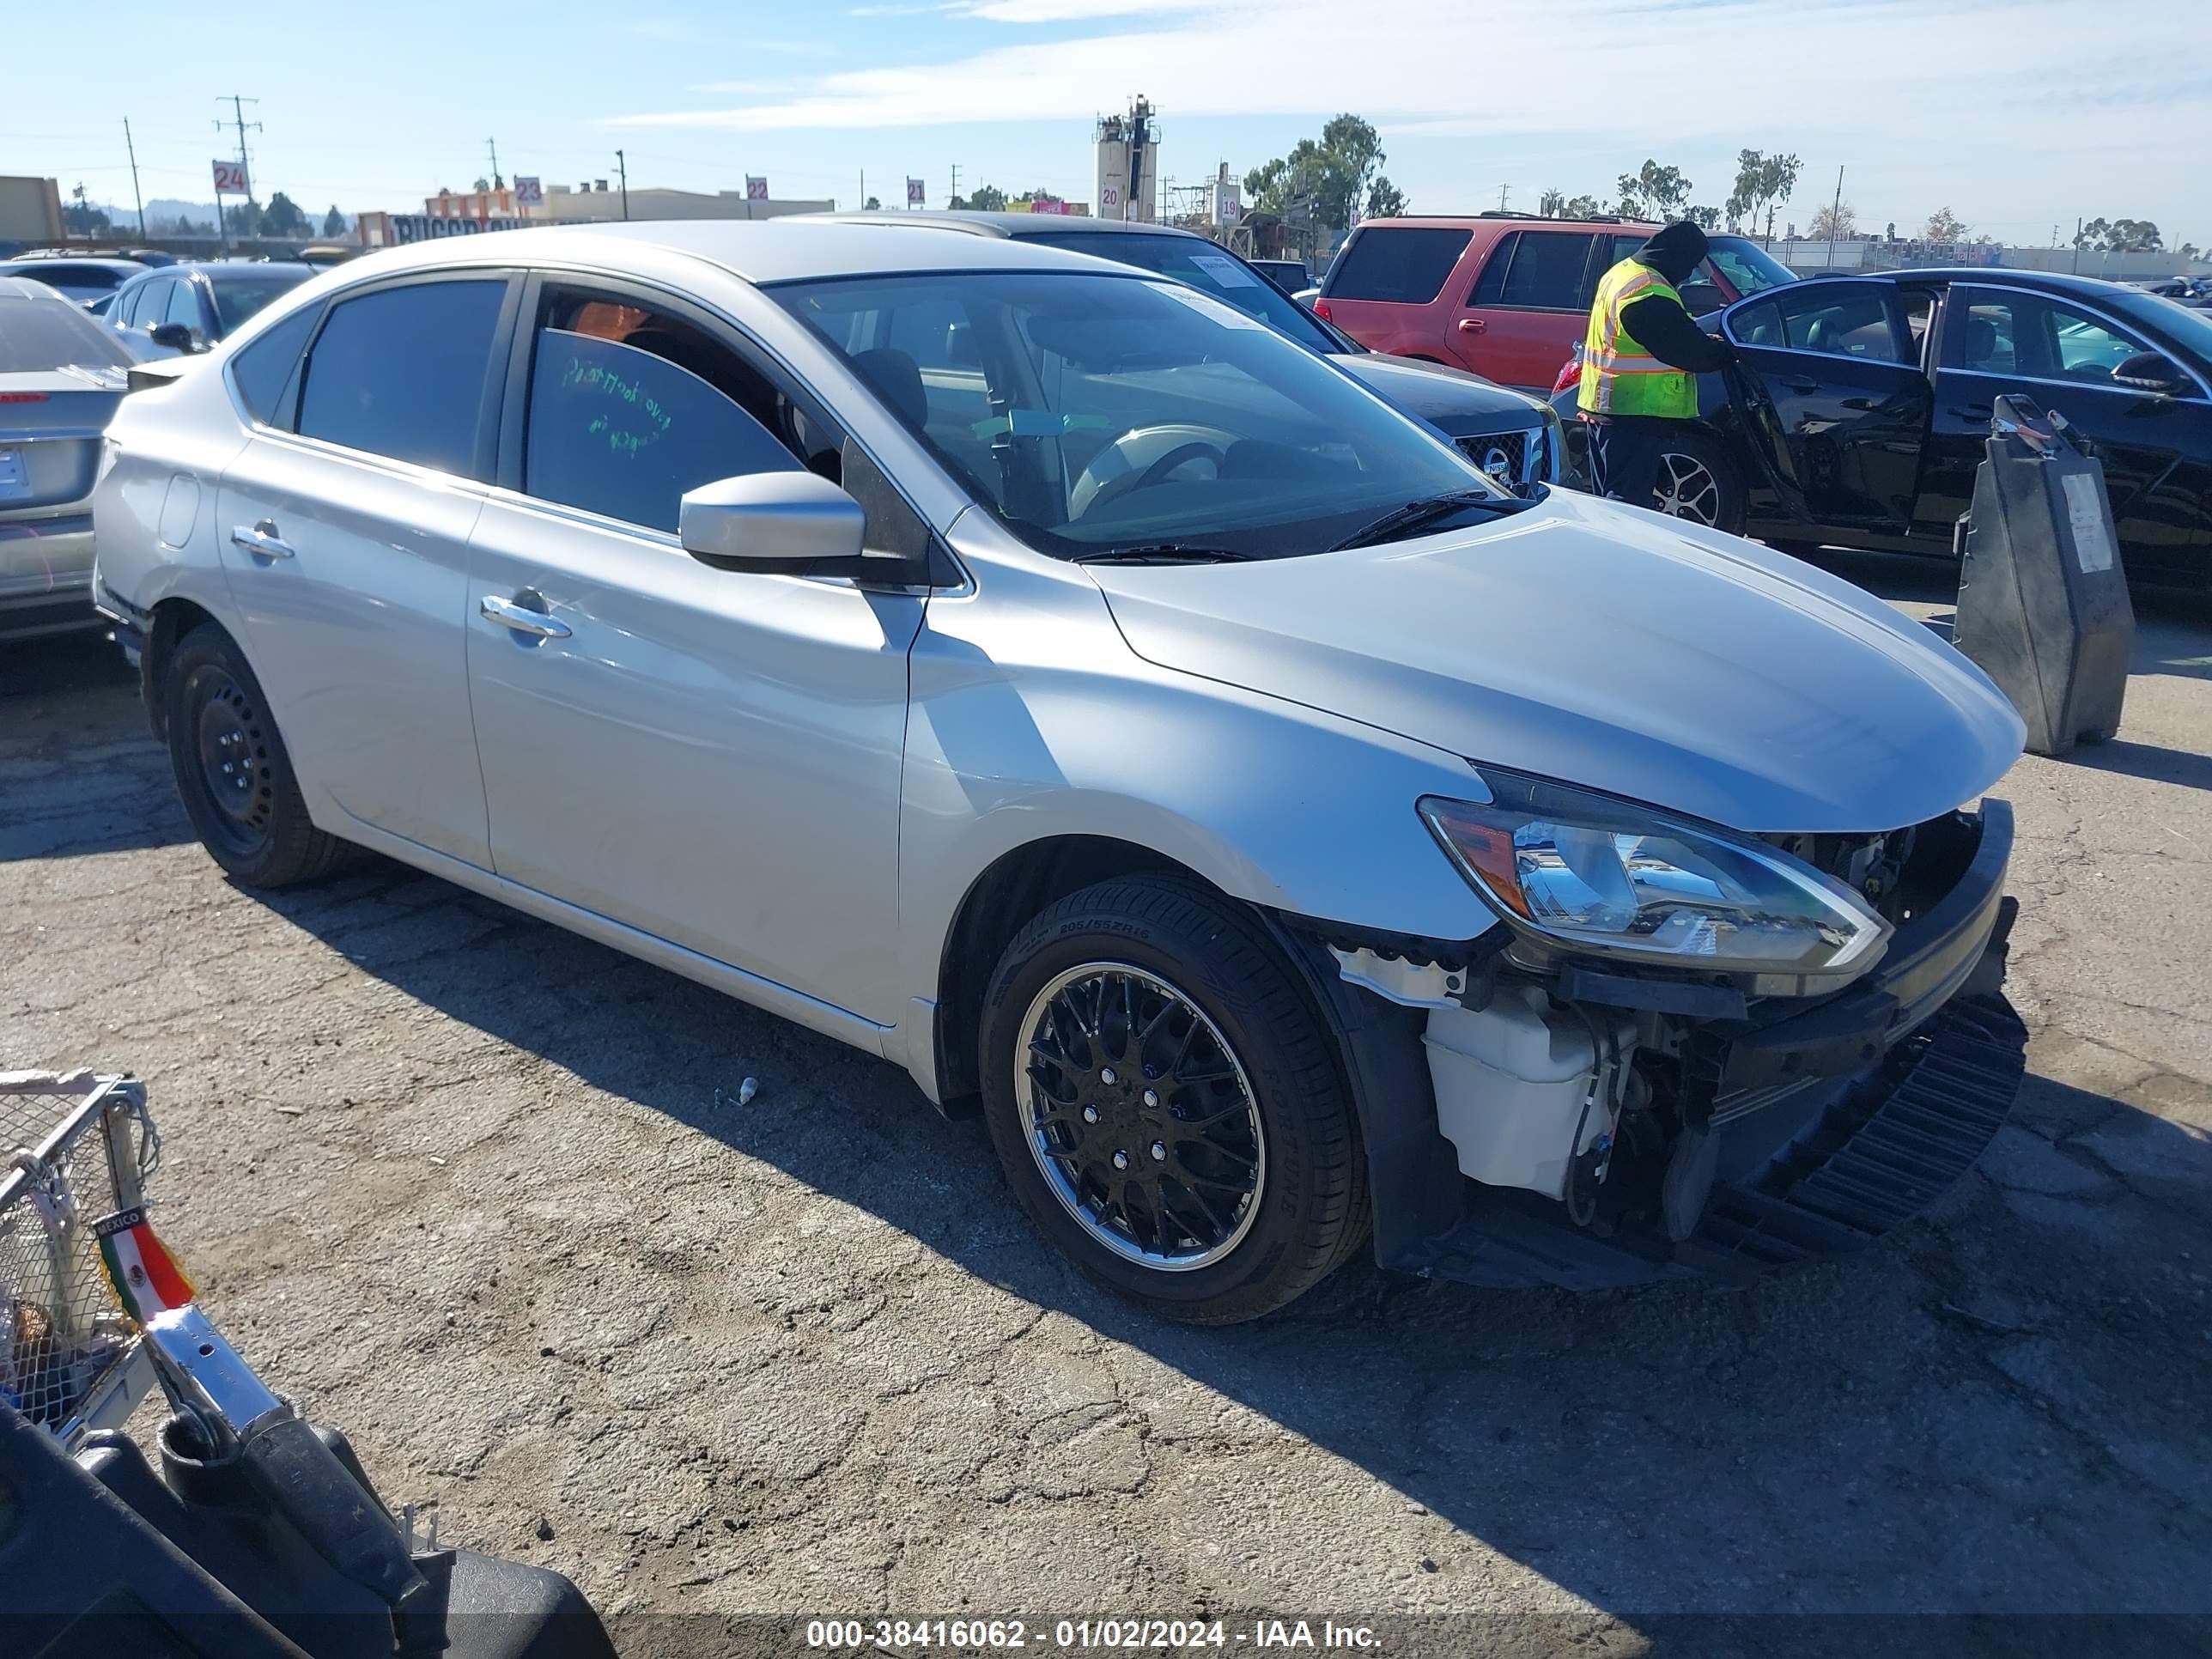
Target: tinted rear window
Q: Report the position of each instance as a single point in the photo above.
(1406, 266)
(239, 297)
(1546, 273)
(48, 332)
(261, 369)
(58, 274)
(402, 373)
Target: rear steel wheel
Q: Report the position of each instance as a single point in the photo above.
(230, 747)
(1140, 1117)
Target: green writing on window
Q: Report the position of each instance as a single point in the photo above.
(623, 412)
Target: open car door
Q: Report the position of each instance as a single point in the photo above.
(1838, 361)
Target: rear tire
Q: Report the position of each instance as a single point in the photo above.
(232, 771)
(1699, 481)
(1166, 1104)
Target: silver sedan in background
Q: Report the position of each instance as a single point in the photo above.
(1051, 679)
(61, 377)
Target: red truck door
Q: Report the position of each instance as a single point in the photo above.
(1526, 310)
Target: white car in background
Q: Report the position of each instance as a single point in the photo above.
(1049, 678)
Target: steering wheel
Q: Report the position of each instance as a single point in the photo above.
(1139, 459)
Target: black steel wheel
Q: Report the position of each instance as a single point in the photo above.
(1167, 1102)
(232, 774)
(1141, 1116)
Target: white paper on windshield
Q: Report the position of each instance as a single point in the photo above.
(1225, 270)
(14, 485)
(1223, 313)
(2084, 511)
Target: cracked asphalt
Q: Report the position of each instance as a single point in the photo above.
(479, 1192)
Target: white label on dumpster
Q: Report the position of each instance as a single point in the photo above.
(2085, 510)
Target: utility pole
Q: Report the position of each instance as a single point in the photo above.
(1503, 189)
(497, 183)
(2077, 245)
(253, 207)
(1835, 212)
(622, 168)
(133, 151)
(863, 203)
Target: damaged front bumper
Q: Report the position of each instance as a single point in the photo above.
(1797, 1130)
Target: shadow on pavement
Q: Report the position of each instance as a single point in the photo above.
(1863, 1436)
(79, 771)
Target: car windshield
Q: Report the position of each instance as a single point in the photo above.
(40, 332)
(1209, 269)
(237, 298)
(1749, 268)
(1098, 415)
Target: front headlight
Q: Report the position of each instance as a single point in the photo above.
(1592, 873)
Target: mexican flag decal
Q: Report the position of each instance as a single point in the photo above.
(143, 1275)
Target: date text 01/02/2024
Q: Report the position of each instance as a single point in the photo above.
(977, 1635)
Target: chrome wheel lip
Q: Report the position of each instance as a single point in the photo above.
(1685, 481)
(1057, 1178)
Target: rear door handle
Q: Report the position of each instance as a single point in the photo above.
(523, 618)
(1975, 411)
(1799, 383)
(1471, 324)
(261, 540)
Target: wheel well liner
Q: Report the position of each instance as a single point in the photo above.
(172, 619)
(998, 903)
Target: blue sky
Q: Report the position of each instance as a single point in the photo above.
(2016, 113)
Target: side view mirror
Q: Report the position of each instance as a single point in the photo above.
(175, 336)
(2151, 371)
(770, 518)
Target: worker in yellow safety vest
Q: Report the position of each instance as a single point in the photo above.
(1640, 361)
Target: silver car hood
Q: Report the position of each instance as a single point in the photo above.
(1607, 646)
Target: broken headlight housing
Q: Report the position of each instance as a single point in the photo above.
(1591, 874)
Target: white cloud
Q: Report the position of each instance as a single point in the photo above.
(1987, 97)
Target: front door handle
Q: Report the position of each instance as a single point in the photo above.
(1471, 324)
(1799, 383)
(523, 618)
(1975, 412)
(261, 540)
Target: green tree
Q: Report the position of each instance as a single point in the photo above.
(874, 203)
(82, 218)
(334, 223)
(1837, 219)
(1582, 207)
(988, 199)
(1763, 182)
(1549, 205)
(2120, 236)
(238, 219)
(1325, 179)
(1706, 218)
(1653, 193)
(282, 217)
(1943, 226)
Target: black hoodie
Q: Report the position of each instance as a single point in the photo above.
(1659, 324)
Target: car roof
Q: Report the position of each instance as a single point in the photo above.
(1510, 222)
(29, 287)
(2058, 282)
(1037, 227)
(42, 260)
(799, 247)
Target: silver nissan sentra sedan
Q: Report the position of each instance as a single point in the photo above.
(1043, 675)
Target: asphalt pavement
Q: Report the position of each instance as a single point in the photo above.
(481, 1193)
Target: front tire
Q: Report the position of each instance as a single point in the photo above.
(1699, 480)
(1166, 1104)
(232, 771)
